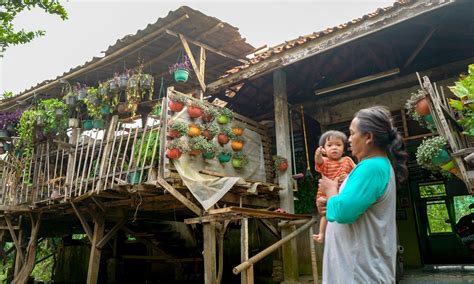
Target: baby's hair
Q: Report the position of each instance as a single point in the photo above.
(333, 134)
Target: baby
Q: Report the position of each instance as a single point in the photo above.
(331, 164)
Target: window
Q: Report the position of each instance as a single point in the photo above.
(437, 217)
(461, 206)
(432, 190)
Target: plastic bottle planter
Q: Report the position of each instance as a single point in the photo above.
(194, 131)
(174, 133)
(87, 124)
(194, 112)
(194, 152)
(422, 107)
(237, 145)
(442, 158)
(237, 130)
(222, 139)
(113, 85)
(283, 166)
(206, 118)
(222, 119)
(237, 163)
(134, 177)
(98, 123)
(181, 75)
(224, 157)
(208, 155)
(173, 154)
(207, 134)
(175, 106)
(123, 80)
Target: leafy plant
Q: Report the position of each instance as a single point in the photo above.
(240, 156)
(410, 107)
(464, 90)
(48, 110)
(7, 95)
(196, 103)
(184, 63)
(178, 98)
(199, 143)
(210, 110)
(227, 131)
(9, 118)
(212, 127)
(277, 160)
(179, 126)
(226, 112)
(149, 140)
(429, 149)
(177, 144)
(26, 128)
(92, 103)
(135, 91)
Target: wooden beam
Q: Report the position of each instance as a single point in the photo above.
(199, 76)
(420, 46)
(210, 48)
(114, 56)
(270, 227)
(98, 203)
(190, 205)
(84, 223)
(94, 258)
(209, 231)
(329, 41)
(16, 242)
(111, 233)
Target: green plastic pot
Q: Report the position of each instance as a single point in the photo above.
(237, 163)
(134, 177)
(222, 119)
(442, 158)
(428, 118)
(448, 166)
(98, 123)
(7, 146)
(208, 155)
(87, 124)
(224, 158)
(105, 109)
(181, 75)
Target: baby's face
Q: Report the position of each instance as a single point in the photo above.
(334, 148)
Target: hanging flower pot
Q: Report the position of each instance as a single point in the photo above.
(222, 139)
(208, 155)
(146, 80)
(194, 152)
(422, 107)
(173, 154)
(181, 75)
(105, 110)
(237, 130)
(134, 177)
(194, 130)
(194, 112)
(174, 134)
(123, 108)
(70, 99)
(224, 156)
(207, 134)
(222, 119)
(209, 113)
(113, 86)
(225, 115)
(81, 94)
(87, 124)
(123, 80)
(177, 129)
(442, 158)
(210, 130)
(59, 112)
(237, 144)
(98, 123)
(176, 106)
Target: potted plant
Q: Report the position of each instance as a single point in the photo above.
(431, 153)
(181, 69)
(197, 145)
(156, 109)
(225, 115)
(143, 156)
(237, 143)
(224, 156)
(48, 112)
(177, 129)
(114, 83)
(94, 110)
(210, 130)
(238, 130)
(209, 113)
(8, 122)
(225, 135)
(135, 92)
(425, 120)
(26, 128)
(463, 89)
(239, 160)
(175, 148)
(122, 79)
(176, 102)
(209, 150)
(81, 91)
(194, 129)
(280, 163)
(195, 108)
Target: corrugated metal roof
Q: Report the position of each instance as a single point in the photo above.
(287, 45)
(184, 20)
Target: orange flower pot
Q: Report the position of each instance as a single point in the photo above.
(222, 139)
(283, 166)
(173, 154)
(422, 107)
(194, 131)
(237, 145)
(237, 130)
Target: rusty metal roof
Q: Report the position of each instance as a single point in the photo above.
(157, 45)
(287, 45)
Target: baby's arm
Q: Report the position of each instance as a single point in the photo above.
(318, 156)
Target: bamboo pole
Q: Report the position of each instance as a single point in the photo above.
(142, 140)
(119, 125)
(48, 186)
(111, 158)
(55, 170)
(73, 165)
(133, 149)
(79, 167)
(150, 171)
(146, 152)
(97, 163)
(254, 259)
(92, 158)
(125, 151)
(314, 260)
(84, 165)
(62, 188)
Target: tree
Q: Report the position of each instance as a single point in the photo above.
(9, 9)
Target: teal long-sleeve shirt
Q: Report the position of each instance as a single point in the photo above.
(365, 185)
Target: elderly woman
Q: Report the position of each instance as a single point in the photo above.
(361, 236)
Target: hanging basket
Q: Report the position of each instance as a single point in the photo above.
(173, 154)
(224, 157)
(422, 107)
(181, 75)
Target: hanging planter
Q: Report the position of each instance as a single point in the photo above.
(195, 108)
(81, 91)
(197, 145)
(176, 102)
(280, 163)
(181, 68)
(237, 143)
(238, 130)
(194, 129)
(123, 80)
(98, 123)
(224, 156)
(210, 130)
(177, 129)
(225, 116)
(422, 106)
(415, 107)
(239, 160)
(175, 149)
(209, 113)
(225, 135)
(87, 124)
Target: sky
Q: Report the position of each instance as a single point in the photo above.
(94, 25)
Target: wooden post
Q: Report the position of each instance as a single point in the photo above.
(94, 259)
(314, 260)
(108, 137)
(244, 246)
(209, 230)
(282, 130)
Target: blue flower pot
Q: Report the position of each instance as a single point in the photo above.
(134, 177)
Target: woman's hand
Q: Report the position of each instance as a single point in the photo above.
(321, 204)
(328, 186)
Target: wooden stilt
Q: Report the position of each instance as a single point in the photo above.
(209, 230)
(314, 260)
(94, 258)
(244, 246)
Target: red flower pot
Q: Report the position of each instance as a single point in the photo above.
(174, 134)
(207, 118)
(176, 106)
(173, 154)
(422, 107)
(222, 139)
(194, 152)
(194, 112)
(283, 166)
(207, 134)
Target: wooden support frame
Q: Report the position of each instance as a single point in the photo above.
(190, 205)
(16, 239)
(94, 258)
(111, 233)
(196, 68)
(83, 221)
(209, 232)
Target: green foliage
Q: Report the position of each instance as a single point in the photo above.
(429, 149)
(196, 103)
(179, 126)
(177, 144)
(26, 128)
(410, 107)
(7, 95)
(149, 139)
(178, 98)
(277, 160)
(432, 190)
(461, 206)
(227, 131)
(92, 103)
(211, 110)
(226, 112)
(53, 123)
(240, 156)
(200, 143)
(437, 216)
(9, 10)
(43, 270)
(306, 194)
(212, 127)
(464, 90)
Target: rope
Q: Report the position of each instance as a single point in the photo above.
(308, 168)
(138, 206)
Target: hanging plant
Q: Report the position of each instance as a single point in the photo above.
(26, 128)
(431, 153)
(224, 156)
(48, 112)
(92, 104)
(177, 102)
(463, 89)
(209, 113)
(195, 108)
(177, 129)
(137, 93)
(238, 130)
(237, 143)
(197, 145)
(239, 160)
(194, 129)
(280, 163)
(8, 122)
(209, 150)
(425, 121)
(181, 68)
(175, 148)
(225, 135)
(225, 116)
(210, 130)
(81, 91)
